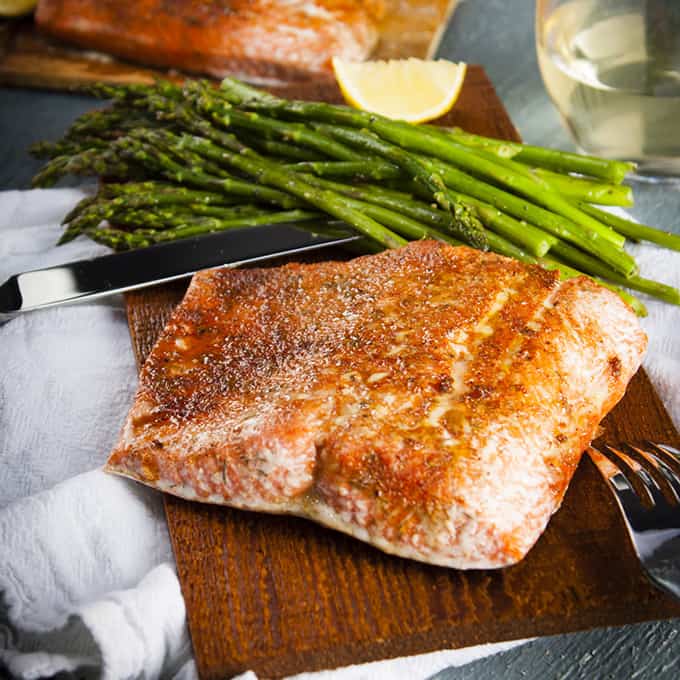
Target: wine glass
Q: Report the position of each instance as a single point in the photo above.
(612, 69)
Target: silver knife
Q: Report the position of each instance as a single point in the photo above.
(100, 276)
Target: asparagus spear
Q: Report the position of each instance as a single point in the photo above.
(401, 224)
(414, 139)
(132, 92)
(595, 267)
(103, 162)
(431, 182)
(221, 211)
(465, 158)
(99, 122)
(125, 240)
(156, 161)
(239, 93)
(560, 161)
(298, 110)
(633, 230)
(79, 208)
(142, 195)
(502, 246)
(523, 234)
(368, 169)
(109, 124)
(581, 189)
(563, 161)
(525, 210)
(566, 185)
(162, 219)
(553, 159)
(500, 147)
(586, 190)
(113, 189)
(289, 132)
(397, 201)
(149, 156)
(65, 147)
(283, 150)
(272, 175)
(162, 193)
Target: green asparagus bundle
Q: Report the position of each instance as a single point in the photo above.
(192, 159)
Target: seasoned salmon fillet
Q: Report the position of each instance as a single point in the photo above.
(267, 40)
(433, 401)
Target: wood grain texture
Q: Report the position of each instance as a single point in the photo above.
(29, 59)
(413, 28)
(280, 595)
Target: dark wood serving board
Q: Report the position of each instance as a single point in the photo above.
(280, 595)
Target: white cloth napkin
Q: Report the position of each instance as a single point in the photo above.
(87, 580)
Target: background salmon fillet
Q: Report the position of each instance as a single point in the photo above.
(267, 40)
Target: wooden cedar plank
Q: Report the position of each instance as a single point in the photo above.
(280, 595)
(32, 60)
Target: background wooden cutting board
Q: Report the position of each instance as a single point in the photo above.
(280, 595)
(28, 59)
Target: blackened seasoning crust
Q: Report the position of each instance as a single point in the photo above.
(432, 401)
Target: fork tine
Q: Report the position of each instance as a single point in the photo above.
(610, 468)
(670, 449)
(670, 455)
(647, 471)
(654, 531)
(669, 477)
(638, 510)
(627, 466)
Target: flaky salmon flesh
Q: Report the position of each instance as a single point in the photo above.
(432, 401)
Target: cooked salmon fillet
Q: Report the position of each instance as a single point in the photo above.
(433, 401)
(268, 40)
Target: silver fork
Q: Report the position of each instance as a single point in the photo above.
(645, 481)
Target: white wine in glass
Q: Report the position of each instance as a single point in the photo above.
(612, 68)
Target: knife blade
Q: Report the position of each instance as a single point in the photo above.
(100, 276)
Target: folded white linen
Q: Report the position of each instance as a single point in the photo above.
(86, 574)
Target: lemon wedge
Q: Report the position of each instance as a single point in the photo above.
(415, 90)
(14, 8)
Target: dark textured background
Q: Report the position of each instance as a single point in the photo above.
(499, 35)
